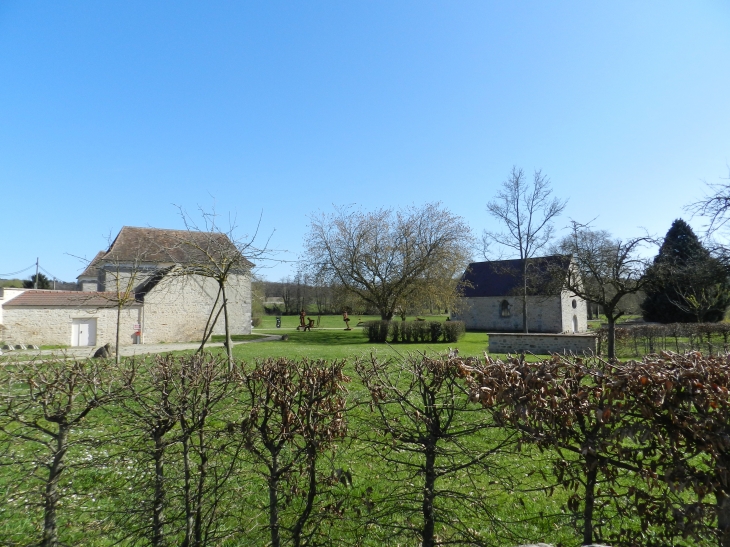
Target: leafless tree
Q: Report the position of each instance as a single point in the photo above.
(527, 212)
(434, 443)
(385, 257)
(715, 205)
(218, 254)
(605, 271)
(175, 431)
(296, 414)
(43, 407)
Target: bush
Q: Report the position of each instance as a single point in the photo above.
(408, 332)
(453, 330)
(256, 321)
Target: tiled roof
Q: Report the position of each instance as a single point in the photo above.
(504, 277)
(92, 270)
(73, 299)
(169, 246)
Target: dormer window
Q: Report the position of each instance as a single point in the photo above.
(504, 309)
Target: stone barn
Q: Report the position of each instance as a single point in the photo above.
(493, 295)
(162, 278)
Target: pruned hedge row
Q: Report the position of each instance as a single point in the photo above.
(642, 339)
(414, 332)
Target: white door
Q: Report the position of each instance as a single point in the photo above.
(575, 323)
(83, 332)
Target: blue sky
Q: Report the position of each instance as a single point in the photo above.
(112, 113)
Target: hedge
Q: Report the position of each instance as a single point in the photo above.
(413, 332)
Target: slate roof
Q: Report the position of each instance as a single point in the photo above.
(504, 277)
(70, 299)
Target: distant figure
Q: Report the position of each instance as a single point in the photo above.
(346, 319)
(104, 352)
(302, 315)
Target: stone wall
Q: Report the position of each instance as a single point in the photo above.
(544, 313)
(542, 344)
(52, 325)
(177, 309)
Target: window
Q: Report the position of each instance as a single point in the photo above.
(504, 309)
(575, 304)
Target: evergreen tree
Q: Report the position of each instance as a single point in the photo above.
(43, 282)
(686, 283)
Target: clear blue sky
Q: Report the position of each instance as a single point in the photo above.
(111, 112)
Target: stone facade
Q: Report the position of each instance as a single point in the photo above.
(169, 300)
(177, 309)
(544, 313)
(52, 325)
(542, 344)
(492, 298)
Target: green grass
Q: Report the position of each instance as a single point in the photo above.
(236, 337)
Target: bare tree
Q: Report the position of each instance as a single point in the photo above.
(296, 414)
(42, 408)
(605, 271)
(218, 255)
(527, 212)
(434, 443)
(714, 206)
(385, 257)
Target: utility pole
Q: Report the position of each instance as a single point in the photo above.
(35, 283)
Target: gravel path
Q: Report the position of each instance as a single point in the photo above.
(129, 351)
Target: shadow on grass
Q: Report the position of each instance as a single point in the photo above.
(326, 337)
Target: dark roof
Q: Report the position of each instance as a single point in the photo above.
(169, 246)
(145, 287)
(92, 270)
(504, 277)
(73, 299)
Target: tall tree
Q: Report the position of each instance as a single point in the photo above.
(604, 271)
(386, 257)
(527, 212)
(685, 282)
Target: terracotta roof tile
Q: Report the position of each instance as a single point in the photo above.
(168, 246)
(76, 299)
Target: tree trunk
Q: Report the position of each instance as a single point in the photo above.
(311, 495)
(158, 537)
(429, 485)
(611, 341)
(50, 503)
(119, 321)
(208, 330)
(229, 345)
(590, 500)
(524, 296)
(274, 503)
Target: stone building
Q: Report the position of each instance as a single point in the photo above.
(492, 299)
(161, 281)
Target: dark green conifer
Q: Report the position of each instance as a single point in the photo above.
(686, 283)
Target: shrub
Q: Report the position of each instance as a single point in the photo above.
(453, 330)
(414, 331)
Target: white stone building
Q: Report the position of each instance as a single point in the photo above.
(492, 299)
(163, 282)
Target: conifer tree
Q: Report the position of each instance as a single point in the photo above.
(686, 283)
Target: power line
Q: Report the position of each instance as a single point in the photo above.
(19, 271)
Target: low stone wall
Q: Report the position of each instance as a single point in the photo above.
(542, 344)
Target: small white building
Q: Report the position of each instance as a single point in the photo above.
(493, 296)
(158, 280)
